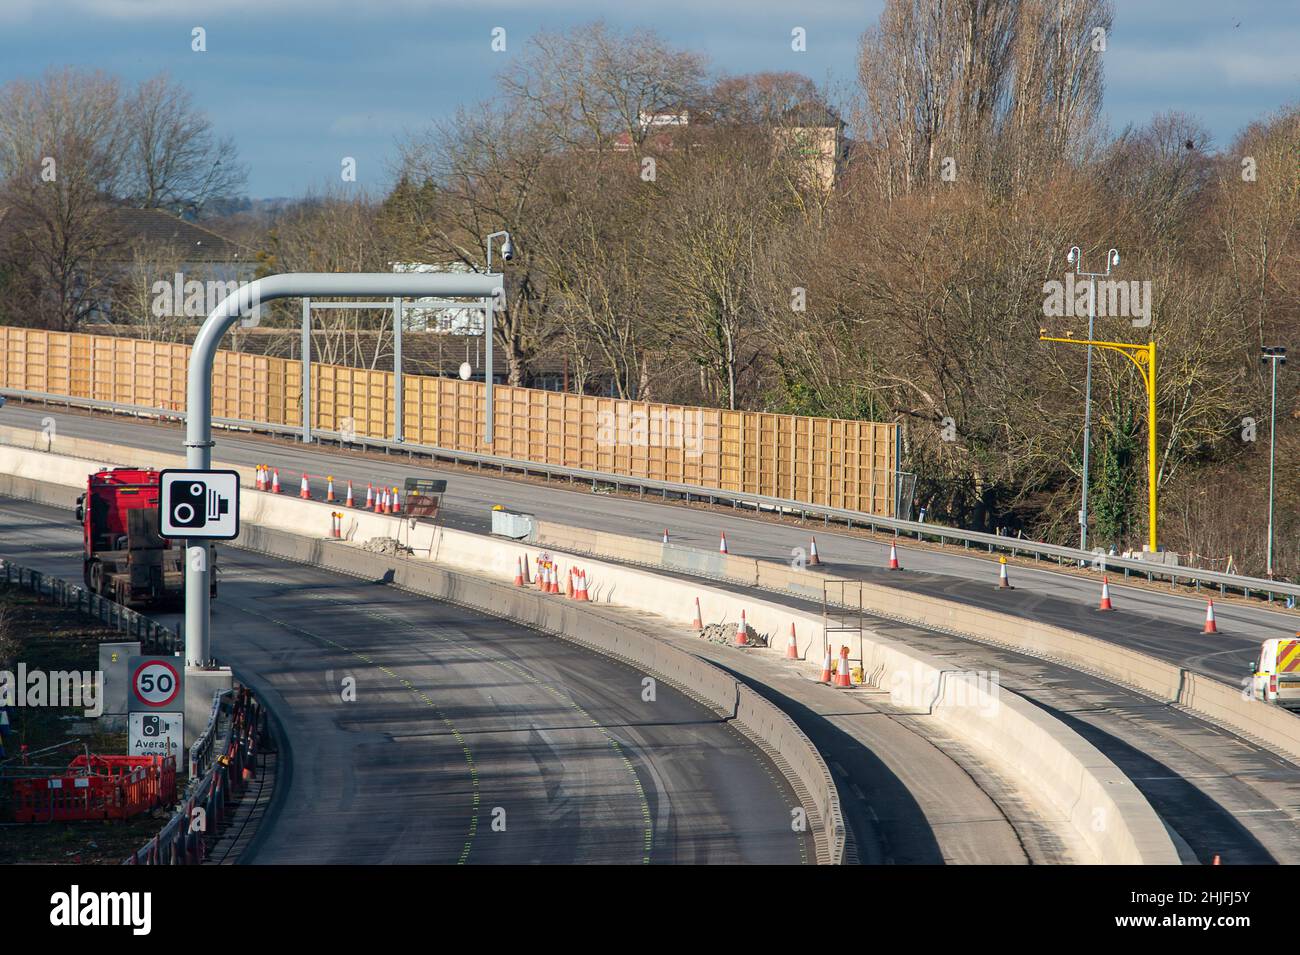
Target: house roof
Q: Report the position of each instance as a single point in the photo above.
(195, 243)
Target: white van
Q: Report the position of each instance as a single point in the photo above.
(1277, 672)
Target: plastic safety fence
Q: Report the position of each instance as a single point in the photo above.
(834, 462)
(189, 834)
(98, 787)
(154, 637)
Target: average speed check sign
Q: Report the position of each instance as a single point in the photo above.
(157, 683)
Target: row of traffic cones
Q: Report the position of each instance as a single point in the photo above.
(577, 587)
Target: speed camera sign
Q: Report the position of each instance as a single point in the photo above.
(198, 504)
(157, 683)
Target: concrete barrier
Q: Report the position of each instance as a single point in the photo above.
(1219, 702)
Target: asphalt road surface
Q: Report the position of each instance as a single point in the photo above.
(466, 738)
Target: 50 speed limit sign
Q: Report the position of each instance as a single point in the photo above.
(157, 683)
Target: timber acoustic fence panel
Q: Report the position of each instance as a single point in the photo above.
(823, 461)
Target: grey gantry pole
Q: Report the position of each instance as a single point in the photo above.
(398, 416)
(306, 371)
(198, 410)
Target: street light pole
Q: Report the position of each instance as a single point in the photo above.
(1075, 258)
(1277, 355)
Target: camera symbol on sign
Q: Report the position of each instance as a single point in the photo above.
(194, 504)
(152, 727)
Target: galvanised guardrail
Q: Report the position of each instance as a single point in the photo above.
(153, 636)
(1151, 570)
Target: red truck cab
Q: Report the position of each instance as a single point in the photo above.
(124, 558)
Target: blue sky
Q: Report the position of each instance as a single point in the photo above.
(302, 83)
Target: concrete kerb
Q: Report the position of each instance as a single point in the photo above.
(1108, 817)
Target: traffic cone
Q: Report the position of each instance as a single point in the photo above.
(582, 594)
(813, 559)
(1209, 618)
(1216, 860)
(1105, 595)
(1004, 583)
(304, 488)
(350, 502)
(541, 575)
(555, 579)
(827, 673)
(370, 496)
(519, 572)
(381, 501)
(665, 535)
(275, 482)
(722, 543)
(842, 678)
(259, 480)
(742, 631)
(699, 619)
(397, 502)
(792, 648)
(329, 490)
(893, 557)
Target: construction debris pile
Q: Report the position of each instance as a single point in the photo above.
(388, 546)
(725, 633)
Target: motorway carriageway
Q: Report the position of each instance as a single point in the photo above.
(458, 714)
(1163, 624)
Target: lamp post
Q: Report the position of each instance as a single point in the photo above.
(1075, 258)
(507, 253)
(1144, 358)
(1276, 354)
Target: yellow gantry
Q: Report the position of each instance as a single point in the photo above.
(1144, 358)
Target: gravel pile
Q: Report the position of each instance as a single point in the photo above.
(725, 633)
(388, 546)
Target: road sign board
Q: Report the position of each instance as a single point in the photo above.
(156, 734)
(157, 683)
(198, 504)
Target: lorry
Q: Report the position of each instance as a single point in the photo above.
(124, 558)
(1276, 673)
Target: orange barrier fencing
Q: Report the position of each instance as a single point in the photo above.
(103, 787)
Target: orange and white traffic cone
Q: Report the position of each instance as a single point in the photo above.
(541, 575)
(1004, 583)
(329, 490)
(582, 593)
(304, 488)
(893, 557)
(1105, 595)
(699, 619)
(381, 501)
(338, 524)
(1217, 860)
(370, 496)
(555, 579)
(665, 540)
(828, 673)
(842, 678)
(722, 543)
(259, 479)
(397, 502)
(1209, 618)
(519, 572)
(792, 648)
(742, 631)
(275, 481)
(813, 559)
(350, 502)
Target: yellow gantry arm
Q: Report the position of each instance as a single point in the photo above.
(1144, 357)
